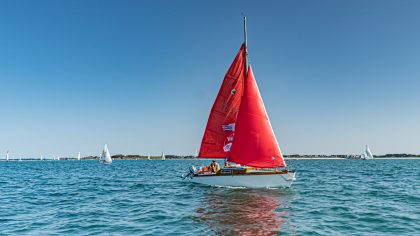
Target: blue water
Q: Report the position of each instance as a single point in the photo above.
(330, 197)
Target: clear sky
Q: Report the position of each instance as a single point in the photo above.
(143, 75)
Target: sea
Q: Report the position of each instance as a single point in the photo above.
(329, 197)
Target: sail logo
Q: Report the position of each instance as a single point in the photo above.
(230, 137)
(233, 91)
(229, 127)
(227, 147)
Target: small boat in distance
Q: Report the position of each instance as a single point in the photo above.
(78, 156)
(41, 158)
(148, 157)
(163, 156)
(105, 157)
(7, 155)
(239, 131)
(367, 154)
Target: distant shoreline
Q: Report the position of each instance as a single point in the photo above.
(342, 158)
(207, 159)
(131, 157)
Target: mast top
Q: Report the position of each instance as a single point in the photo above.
(246, 47)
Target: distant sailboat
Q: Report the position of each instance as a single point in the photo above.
(163, 156)
(105, 157)
(7, 155)
(148, 157)
(58, 158)
(78, 157)
(40, 158)
(367, 154)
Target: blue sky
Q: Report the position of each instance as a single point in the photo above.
(142, 75)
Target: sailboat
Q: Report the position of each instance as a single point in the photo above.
(163, 156)
(105, 157)
(7, 155)
(78, 156)
(148, 157)
(41, 158)
(367, 154)
(239, 131)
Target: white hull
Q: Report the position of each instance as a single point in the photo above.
(248, 181)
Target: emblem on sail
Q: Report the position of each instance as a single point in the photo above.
(229, 127)
(226, 148)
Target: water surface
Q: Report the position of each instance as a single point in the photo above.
(330, 197)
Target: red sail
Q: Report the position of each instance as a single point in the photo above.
(221, 124)
(255, 143)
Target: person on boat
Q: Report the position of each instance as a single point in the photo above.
(227, 164)
(215, 167)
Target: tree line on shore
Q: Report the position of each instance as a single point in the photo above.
(143, 157)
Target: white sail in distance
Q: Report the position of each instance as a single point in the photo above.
(78, 156)
(368, 153)
(105, 156)
(7, 155)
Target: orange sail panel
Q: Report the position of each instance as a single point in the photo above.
(220, 128)
(255, 143)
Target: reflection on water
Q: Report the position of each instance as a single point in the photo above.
(245, 211)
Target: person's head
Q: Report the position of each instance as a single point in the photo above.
(213, 162)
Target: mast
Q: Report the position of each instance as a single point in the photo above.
(246, 47)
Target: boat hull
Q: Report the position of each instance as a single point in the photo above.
(274, 180)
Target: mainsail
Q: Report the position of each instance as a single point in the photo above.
(7, 155)
(221, 123)
(255, 143)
